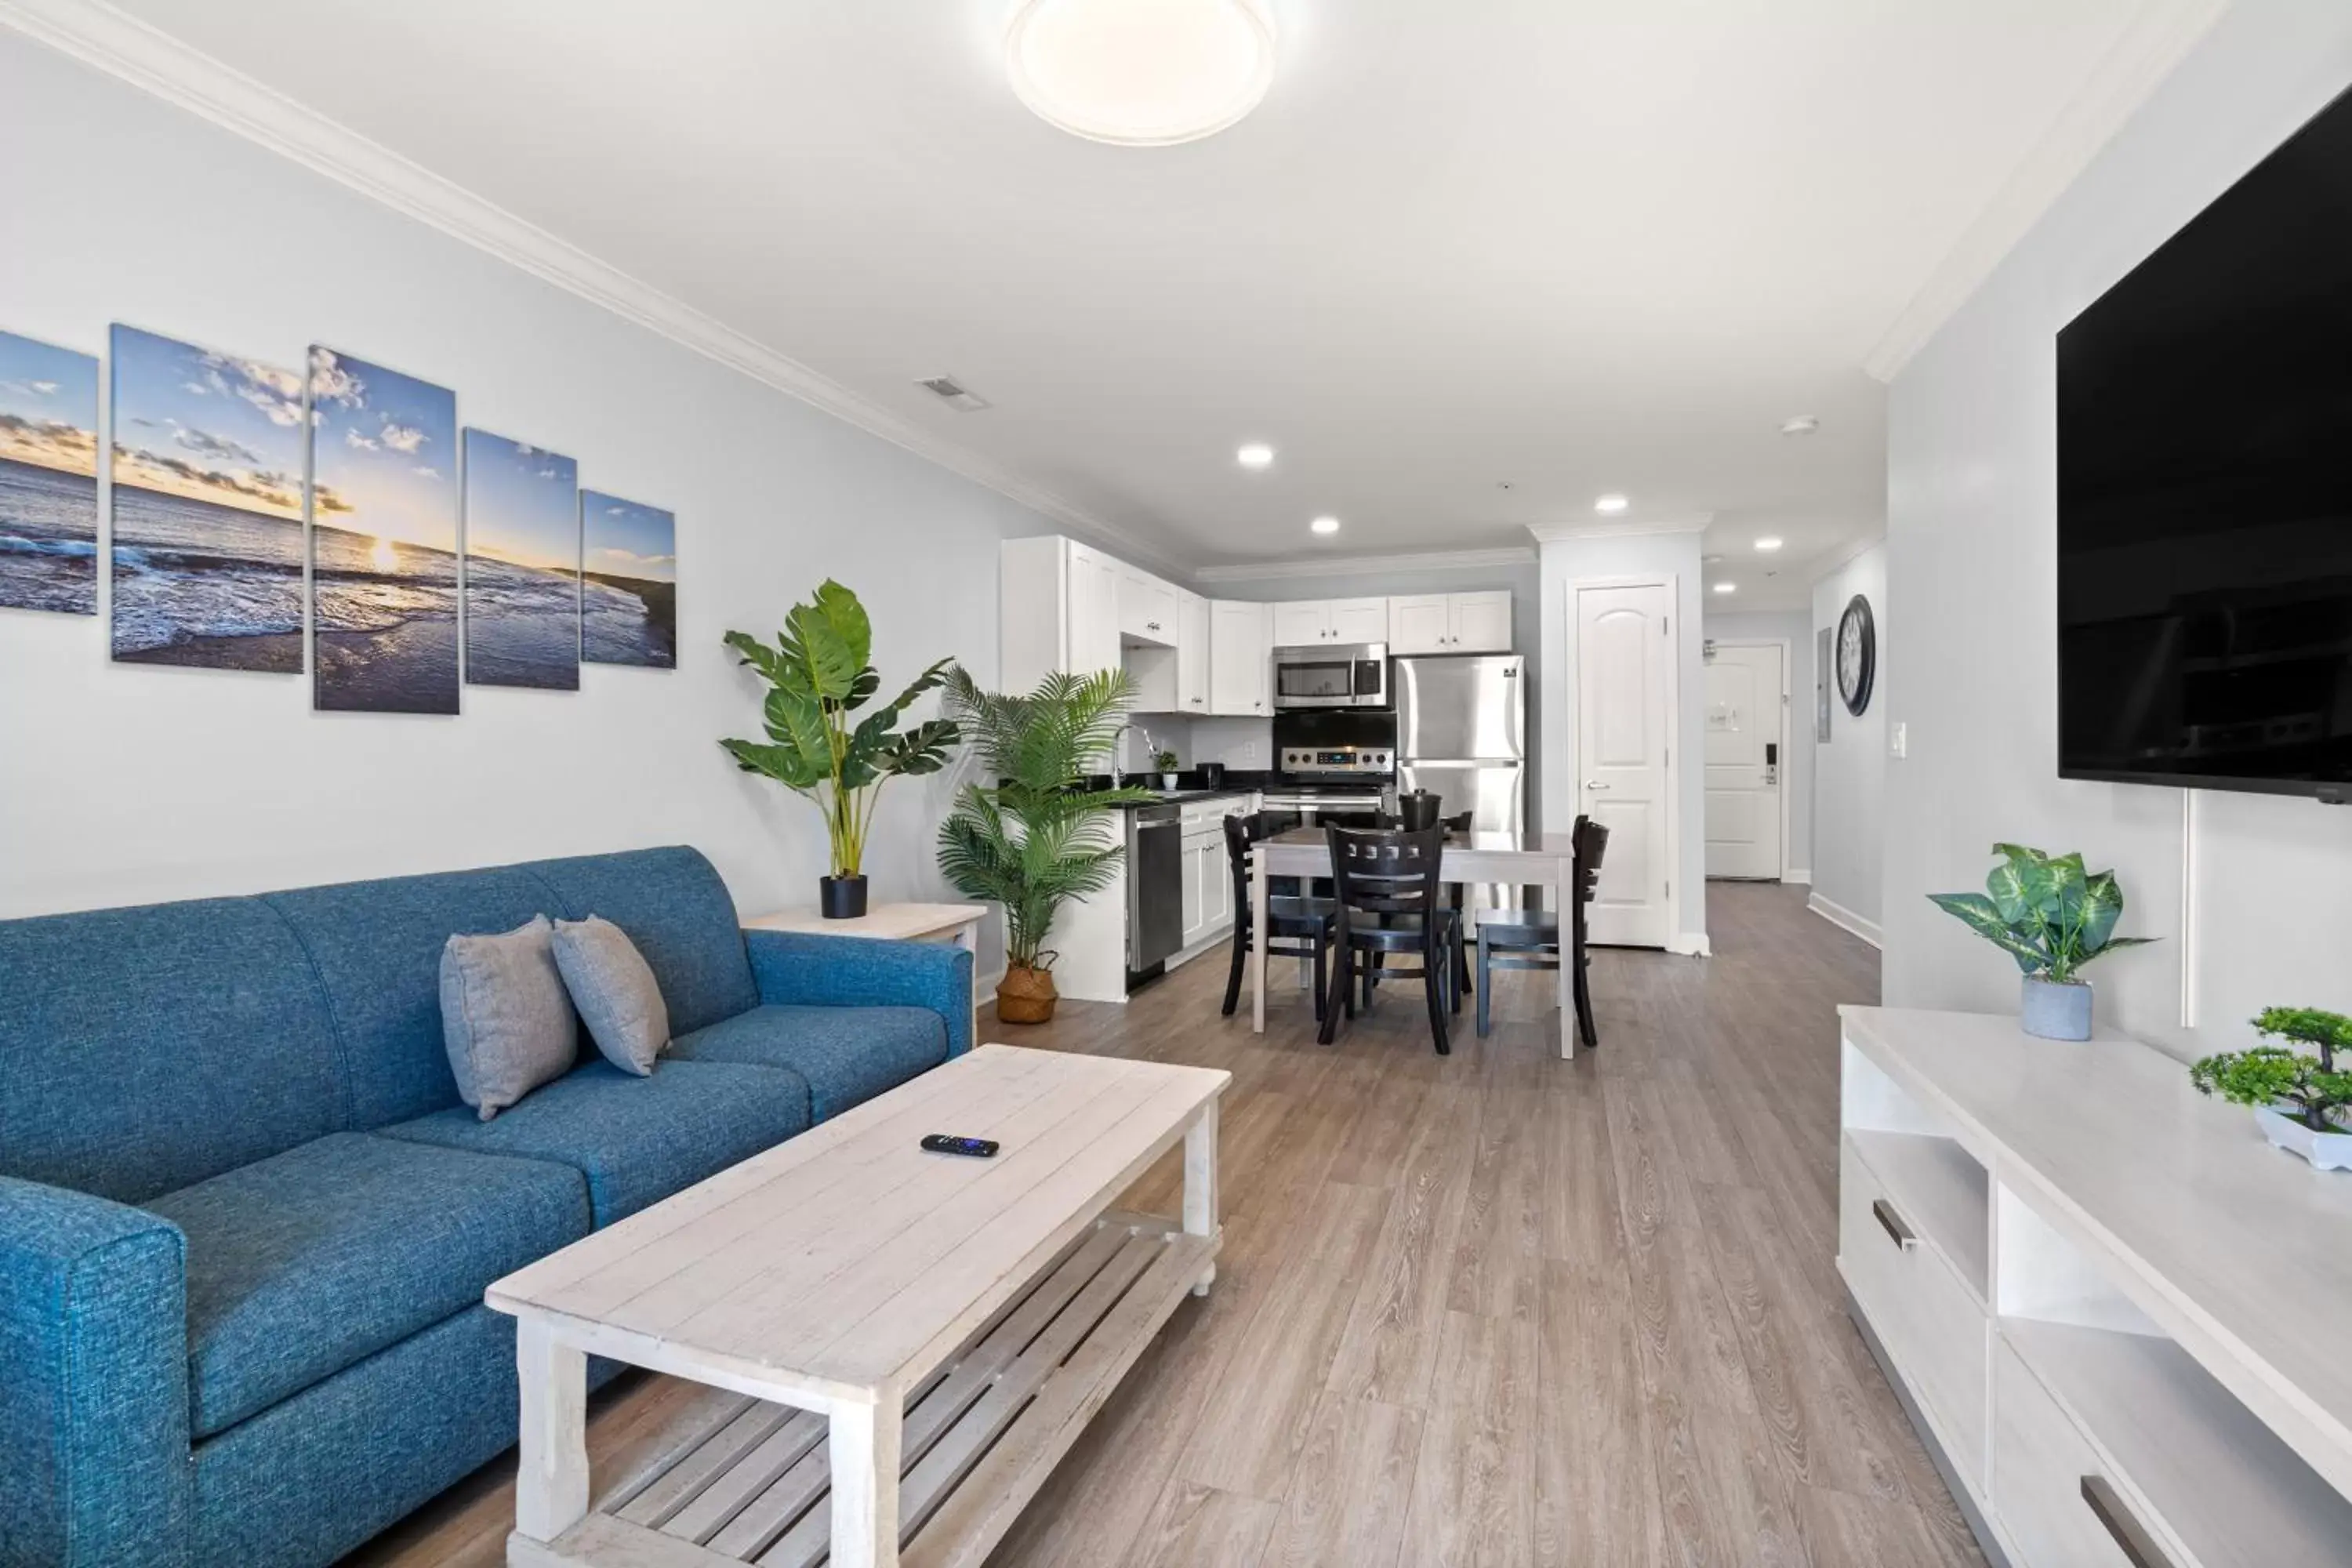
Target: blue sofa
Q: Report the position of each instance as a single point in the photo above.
(245, 1224)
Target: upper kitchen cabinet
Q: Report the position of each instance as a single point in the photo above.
(1058, 604)
(1300, 622)
(1450, 623)
(1149, 611)
(1241, 659)
(1193, 655)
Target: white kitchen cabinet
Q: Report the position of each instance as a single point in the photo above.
(1149, 610)
(1450, 623)
(1301, 623)
(1193, 655)
(1208, 873)
(1057, 604)
(1240, 655)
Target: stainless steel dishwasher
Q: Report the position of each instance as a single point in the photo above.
(1155, 888)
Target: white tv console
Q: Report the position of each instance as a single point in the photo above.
(2121, 1320)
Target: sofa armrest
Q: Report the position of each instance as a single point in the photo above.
(94, 1457)
(796, 967)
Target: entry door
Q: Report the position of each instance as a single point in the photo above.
(1625, 721)
(1745, 696)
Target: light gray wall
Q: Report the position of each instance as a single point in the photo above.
(122, 782)
(1568, 560)
(1795, 629)
(1228, 738)
(1972, 465)
(1850, 770)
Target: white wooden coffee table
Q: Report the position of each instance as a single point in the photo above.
(915, 1339)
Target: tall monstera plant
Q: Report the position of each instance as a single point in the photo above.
(819, 675)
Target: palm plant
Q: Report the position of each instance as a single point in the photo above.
(820, 677)
(1035, 837)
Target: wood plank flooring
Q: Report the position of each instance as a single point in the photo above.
(1493, 1309)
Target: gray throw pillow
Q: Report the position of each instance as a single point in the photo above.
(505, 1015)
(615, 991)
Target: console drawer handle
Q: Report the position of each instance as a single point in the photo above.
(2139, 1548)
(1892, 1223)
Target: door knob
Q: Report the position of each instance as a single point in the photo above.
(1594, 784)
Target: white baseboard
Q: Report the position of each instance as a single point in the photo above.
(1840, 916)
(986, 985)
(1801, 875)
(1690, 945)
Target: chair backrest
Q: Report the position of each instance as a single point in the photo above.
(1386, 870)
(1592, 846)
(1242, 830)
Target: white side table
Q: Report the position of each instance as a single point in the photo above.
(955, 923)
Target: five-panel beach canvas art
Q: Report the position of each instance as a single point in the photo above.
(257, 510)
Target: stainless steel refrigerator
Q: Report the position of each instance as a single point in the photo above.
(1461, 735)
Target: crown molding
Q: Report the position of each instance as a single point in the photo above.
(1558, 532)
(2151, 44)
(110, 40)
(1366, 565)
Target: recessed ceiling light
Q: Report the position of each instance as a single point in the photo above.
(1611, 504)
(1141, 73)
(1727, 587)
(1254, 455)
(1768, 543)
(1802, 425)
(1325, 525)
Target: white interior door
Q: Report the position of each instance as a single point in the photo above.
(1745, 696)
(1625, 722)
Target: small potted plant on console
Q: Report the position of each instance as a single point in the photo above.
(2052, 917)
(2300, 1096)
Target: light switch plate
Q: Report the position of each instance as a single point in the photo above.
(1898, 740)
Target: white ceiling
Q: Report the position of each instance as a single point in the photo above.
(1571, 246)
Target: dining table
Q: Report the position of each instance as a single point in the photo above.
(1506, 859)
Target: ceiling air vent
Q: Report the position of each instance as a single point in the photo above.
(949, 391)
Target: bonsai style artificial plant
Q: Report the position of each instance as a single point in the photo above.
(819, 677)
(2299, 1096)
(2052, 917)
(1036, 837)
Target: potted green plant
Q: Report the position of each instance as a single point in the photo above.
(1035, 837)
(2299, 1097)
(1165, 761)
(2052, 917)
(819, 677)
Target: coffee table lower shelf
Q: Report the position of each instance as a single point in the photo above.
(747, 1481)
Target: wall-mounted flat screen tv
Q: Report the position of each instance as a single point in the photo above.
(2205, 494)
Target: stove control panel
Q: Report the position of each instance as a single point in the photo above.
(1338, 760)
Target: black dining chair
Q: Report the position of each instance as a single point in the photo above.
(1299, 927)
(1391, 905)
(1533, 941)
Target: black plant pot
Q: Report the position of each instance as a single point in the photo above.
(841, 898)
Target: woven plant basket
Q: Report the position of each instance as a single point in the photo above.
(1025, 995)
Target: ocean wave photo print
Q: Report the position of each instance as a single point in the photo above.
(523, 565)
(48, 478)
(383, 552)
(629, 593)
(207, 503)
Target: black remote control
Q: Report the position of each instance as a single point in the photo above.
(978, 1147)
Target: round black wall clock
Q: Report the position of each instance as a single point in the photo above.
(1857, 655)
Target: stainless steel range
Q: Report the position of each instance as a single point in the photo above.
(1334, 766)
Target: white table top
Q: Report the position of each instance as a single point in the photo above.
(888, 921)
(849, 1262)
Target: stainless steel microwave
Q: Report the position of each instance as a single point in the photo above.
(1346, 675)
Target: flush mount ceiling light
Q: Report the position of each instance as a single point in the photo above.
(1727, 587)
(1802, 425)
(1141, 73)
(1325, 525)
(1610, 506)
(1767, 544)
(1254, 455)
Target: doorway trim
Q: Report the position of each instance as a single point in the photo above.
(1678, 938)
(1787, 769)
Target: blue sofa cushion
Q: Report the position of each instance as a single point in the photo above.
(679, 914)
(849, 1055)
(141, 1050)
(637, 1139)
(377, 949)
(310, 1260)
